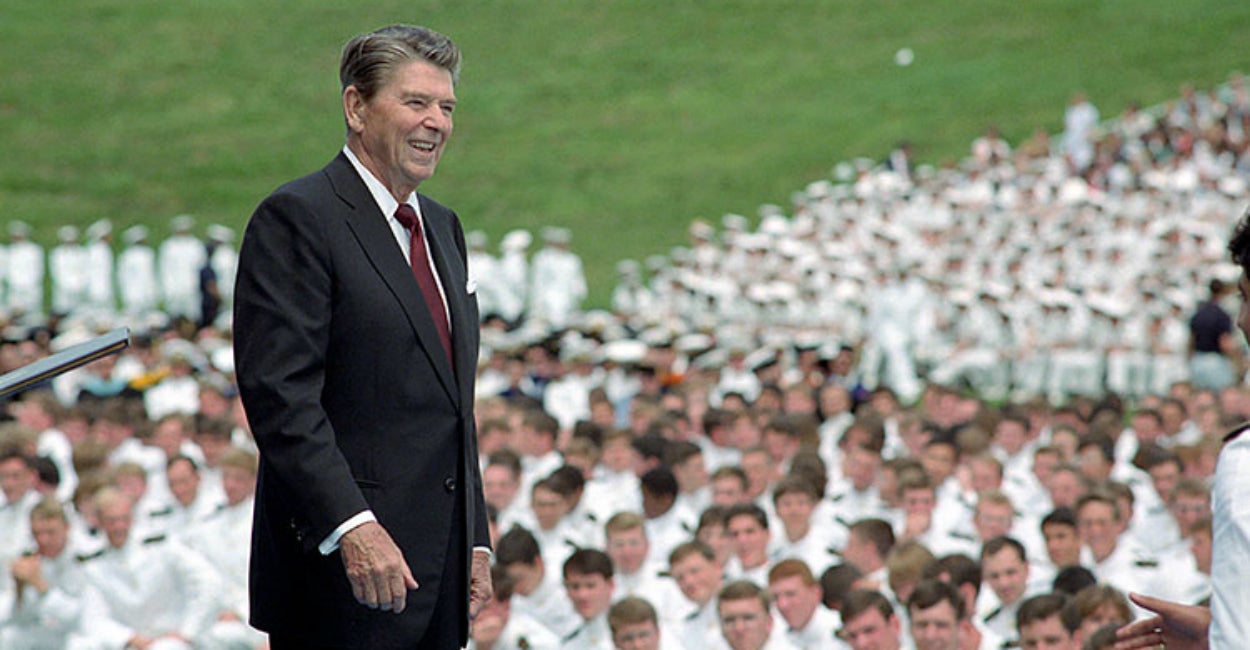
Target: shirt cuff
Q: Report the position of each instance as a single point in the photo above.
(331, 543)
(485, 549)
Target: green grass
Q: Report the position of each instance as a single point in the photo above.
(622, 120)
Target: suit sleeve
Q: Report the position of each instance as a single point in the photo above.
(283, 296)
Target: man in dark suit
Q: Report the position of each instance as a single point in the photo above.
(356, 343)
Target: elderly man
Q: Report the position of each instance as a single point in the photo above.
(356, 340)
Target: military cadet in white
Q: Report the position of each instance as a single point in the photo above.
(67, 271)
(588, 582)
(484, 270)
(224, 260)
(224, 539)
(498, 627)
(693, 565)
(1119, 563)
(52, 607)
(797, 595)
(101, 299)
(633, 575)
(514, 275)
(557, 281)
(162, 592)
(179, 260)
(17, 481)
(537, 591)
(136, 272)
(24, 273)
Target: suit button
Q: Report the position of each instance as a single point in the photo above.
(449, 484)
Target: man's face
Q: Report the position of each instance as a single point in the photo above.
(184, 482)
(759, 471)
(698, 578)
(745, 623)
(628, 550)
(1062, 544)
(750, 540)
(16, 479)
(548, 507)
(794, 509)
(728, 491)
(1065, 489)
(115, 520)
(938, 461)
(499, 486)
(50, 535)
(1007, 574)
(238, 484)
(691, 474)
(919, 500)
(403, 129)
(861, 466)
(1165, 476)
(1046, 634)
(1187, 509)
(1098, 527)
(935, 628)
(1106, 614)
(591, 593)
(1011, 436)
(871, 631)
(527, 577)
(993, 519)
(796, 600)
(637, 636)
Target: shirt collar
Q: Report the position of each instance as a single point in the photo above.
(381, 196)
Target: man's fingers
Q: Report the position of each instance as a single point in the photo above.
(409, 581)
(1152, 604)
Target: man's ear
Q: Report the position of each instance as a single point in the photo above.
(354, 109)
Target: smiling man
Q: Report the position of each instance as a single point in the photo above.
(356, 339)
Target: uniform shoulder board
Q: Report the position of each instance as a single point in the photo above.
(1014, 643)
(89, 556)
(523, 643)
(1147, 563)
(993, 613)
(685, 525)
(572, 635)
(591, 516)
(837, 497)
(162, 512)
(962, 536)
(155, 539)
(842, 520)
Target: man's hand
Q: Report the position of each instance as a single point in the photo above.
(28, 571)
(1179, 627)
(480, 588)
(376, 568)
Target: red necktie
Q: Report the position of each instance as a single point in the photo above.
(424, 274)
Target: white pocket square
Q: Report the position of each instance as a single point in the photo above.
(470, 287)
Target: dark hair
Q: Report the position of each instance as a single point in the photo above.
(507, 459)
(1039, 608)
(747, 509)
(660, 482)
(517, 546)
(836, 583)
(1072, 579)
(1239, 243)
(588, 561)
(630, 610)
(929, 593)
(744, 590)
(1060, 517)
(861, 600)
(369, 59)
(878, 532)
(959, 568)
(997, 544)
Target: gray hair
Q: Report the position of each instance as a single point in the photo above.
(369, 59)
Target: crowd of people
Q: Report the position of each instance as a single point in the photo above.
(952, 408)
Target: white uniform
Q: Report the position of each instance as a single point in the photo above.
(590, 635)
(180, 259)
(820, 632)
(549, 604)
(99, 263)
(522, 632)
(68, 271)
(557, 286)
(1230, 496)
(701, 629)
(70, 614)
(155, 587)
(25, 277)
(136, 279)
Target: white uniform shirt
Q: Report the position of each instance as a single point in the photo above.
(1230, 496)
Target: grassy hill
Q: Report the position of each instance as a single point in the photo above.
(622, 120)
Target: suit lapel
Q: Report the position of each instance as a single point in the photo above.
(452, 273)
(374, 236)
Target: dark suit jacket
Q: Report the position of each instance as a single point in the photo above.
(353, 404)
